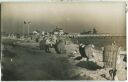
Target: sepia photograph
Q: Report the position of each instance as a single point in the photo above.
(64, 40)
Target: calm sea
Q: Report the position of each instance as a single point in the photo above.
(100, 41)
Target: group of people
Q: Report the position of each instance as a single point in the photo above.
(52, 41)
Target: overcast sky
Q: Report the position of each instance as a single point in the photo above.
(106, 17)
